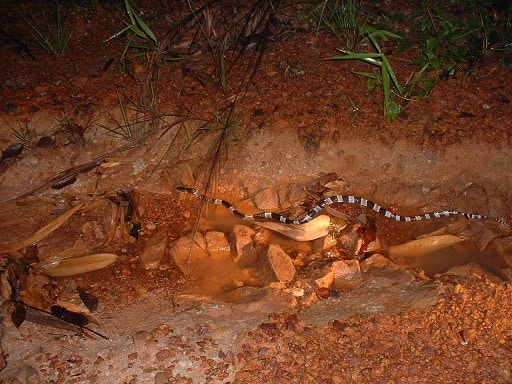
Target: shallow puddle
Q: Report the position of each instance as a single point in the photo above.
(460, 254)
(222, 278)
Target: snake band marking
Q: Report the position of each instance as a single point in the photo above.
(331, 200)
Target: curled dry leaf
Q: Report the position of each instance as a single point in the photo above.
(48, 263)
(424, 246)
(40, 234)
(316, 228)
(82, 264)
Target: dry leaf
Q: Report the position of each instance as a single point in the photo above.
(82, 264)
(316, 228)
(40, 234)
(422, 247)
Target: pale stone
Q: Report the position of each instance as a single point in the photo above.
(290, 194)
(267, 200)
(217, 245)
(245, 251)
(473, 269)
(324, 277)
(347, 274)
(153, 251)
(188, 254)
(280, 263)
(324, 243)
(375, 261)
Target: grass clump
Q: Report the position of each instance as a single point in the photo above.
(386, 78)
(132, 130)
(343, 18)
(51, 32)
(135, 27)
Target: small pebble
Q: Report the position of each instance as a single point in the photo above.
(163, 354)
(161, 378)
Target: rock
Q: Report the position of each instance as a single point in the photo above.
(375, 261)
(472, 269)
(3, 361)
(324, 243)
(153, 251)
(285, 196)
(473, 199)
(389, 276)
(187, 253)
(212, 247)
(140, 340)
(503, 247)
(161, 378)
(324, 277)
(289, 194)
(246, 254)
(217, 246)
(506, 274)
(145, 346)
(28, 374)
(483, 234)
(62, 246)
(350, 240)
(280, 264)
(267, 200)
(409, 196)
(347, 274)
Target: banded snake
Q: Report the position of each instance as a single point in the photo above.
(337, 199)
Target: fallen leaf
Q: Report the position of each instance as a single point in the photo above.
(40, 234)
(82, 264)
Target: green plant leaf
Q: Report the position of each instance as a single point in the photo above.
(369, 75)
(128, 8)
(393, 110)
(118, 33)
(370, 58)
(149, 33)
(389, 70)
(355, 56)
(386, 89)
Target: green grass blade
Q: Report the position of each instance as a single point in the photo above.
(386, 89)
(355, 56)
(129, 11)
(127, 28)
(369, 75)
(149, 33)
(391, 73)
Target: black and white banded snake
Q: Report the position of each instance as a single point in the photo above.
(336, 199)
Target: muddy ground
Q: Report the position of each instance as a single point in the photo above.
(284, 129)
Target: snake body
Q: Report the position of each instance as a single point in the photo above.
(331, 200)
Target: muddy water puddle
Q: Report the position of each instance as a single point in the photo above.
(223, 277)
(440, 261)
